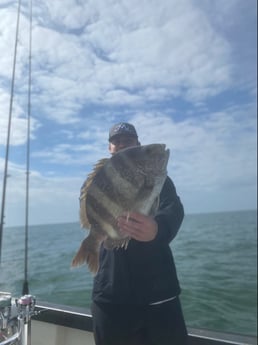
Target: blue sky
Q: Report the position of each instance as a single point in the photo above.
(183, 72)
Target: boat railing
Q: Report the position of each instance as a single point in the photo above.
(16, 316)
(15, 319)
(81, 319)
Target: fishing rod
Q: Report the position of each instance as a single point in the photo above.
(25, 289)
(24, 307)
(9, 129)
(25, 284)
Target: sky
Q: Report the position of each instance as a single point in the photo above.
(183, 72)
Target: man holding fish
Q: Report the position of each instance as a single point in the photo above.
(133, 212)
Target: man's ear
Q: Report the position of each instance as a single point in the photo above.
(109, 147)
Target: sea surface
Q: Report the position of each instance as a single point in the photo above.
(215, 255)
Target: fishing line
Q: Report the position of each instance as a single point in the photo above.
(9, 127)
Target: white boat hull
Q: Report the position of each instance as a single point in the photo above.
(44, 333)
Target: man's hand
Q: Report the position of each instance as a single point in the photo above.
(138, 226)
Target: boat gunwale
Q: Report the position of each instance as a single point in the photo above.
(81, 319)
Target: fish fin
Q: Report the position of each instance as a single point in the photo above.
(83, 194)
(109, 243)
(89, 253)
(83, 214)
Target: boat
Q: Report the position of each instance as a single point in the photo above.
(73, 326)
(24, 322)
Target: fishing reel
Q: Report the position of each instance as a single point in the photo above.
(6, 329)
(15, 317)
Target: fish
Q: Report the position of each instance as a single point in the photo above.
(129, 181)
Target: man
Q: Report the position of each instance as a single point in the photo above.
(135, 292)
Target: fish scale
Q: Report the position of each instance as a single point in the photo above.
(131, 180)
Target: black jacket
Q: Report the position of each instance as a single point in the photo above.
(145, 272)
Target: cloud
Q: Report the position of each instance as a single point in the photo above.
(182, 71)
(51, 199)
(211, 152)
(19, 122)
(120, 50)
(212, 156)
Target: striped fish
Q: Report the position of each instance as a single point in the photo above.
(131, 180)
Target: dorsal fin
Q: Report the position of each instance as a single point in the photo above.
(84, 189)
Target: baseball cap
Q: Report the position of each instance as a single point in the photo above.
(122, 128)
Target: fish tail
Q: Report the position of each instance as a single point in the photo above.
(88, 253)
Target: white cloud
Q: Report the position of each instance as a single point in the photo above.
(181, 71)
(122, 47)
(211, 152)
(213, 159)
(19, 122)
(51, 200)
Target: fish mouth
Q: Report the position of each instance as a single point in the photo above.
(164, 147)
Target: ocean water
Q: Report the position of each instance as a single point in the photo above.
(215, 255)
